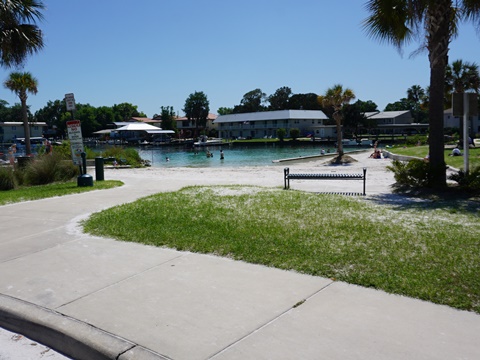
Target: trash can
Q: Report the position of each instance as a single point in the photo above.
(22, 161)
(85, 180)
(99, 173)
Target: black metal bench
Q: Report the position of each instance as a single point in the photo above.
(328, 176)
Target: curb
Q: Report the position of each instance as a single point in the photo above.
(66, 335)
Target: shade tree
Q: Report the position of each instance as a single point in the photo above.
(196, 109)
(436, 24)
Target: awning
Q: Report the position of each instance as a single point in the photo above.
(160, 131)
(138, 127)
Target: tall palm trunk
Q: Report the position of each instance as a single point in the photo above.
(338, 120)
(439, 35)
(26, 126)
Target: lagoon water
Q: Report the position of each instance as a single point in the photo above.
(233, 156)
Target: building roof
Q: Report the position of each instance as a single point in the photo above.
(209, 117)
(385, 114)
(145, 120)
(272, 115)
(137, 127)
(19, 123)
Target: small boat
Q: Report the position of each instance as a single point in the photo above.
(208, 142)
(349, 142)
(365, 142)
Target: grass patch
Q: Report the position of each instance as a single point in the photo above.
(426, 250)
(454, 161)
(51, 190)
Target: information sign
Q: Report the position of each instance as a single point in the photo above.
(70, 102)
(74, 130)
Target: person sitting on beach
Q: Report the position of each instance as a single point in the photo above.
(376, 154)
(456, 152)
(322, 152)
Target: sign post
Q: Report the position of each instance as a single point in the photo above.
(466, 143)
(465, 105)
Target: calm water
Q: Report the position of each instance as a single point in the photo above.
(234, 156)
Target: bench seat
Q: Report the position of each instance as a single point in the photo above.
(325, 176)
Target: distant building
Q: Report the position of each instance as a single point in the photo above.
(450, 121)
(154, 121)
(187, 128)
(13, 130)
(396, 122)
(266, 123)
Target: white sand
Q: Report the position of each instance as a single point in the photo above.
(379, 180)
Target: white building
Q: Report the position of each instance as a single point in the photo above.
(450, 121)
(266, 123)
(13, 130)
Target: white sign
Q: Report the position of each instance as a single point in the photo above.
(74, 130)
(70, 102)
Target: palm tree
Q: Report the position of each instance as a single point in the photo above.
(19, 35)
(416, 95)
(335, 98)
(402, 21)
(461, 77)
(21, 84)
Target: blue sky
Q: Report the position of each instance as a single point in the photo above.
(154, 53)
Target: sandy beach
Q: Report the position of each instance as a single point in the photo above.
(379, 179)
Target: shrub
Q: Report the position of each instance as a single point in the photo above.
(294, 133)
(131, 155)
(48, 169)
(413, 173)
(63, 150)
(470, 181)
(416, 139)
(7, 180)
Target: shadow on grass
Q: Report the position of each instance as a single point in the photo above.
(452, 199)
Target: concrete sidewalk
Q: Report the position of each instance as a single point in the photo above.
(96, 298)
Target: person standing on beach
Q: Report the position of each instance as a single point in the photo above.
(48, 147)
(11, 153)
(221, 155)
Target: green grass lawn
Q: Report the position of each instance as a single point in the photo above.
(51, 190)
(424, 249)
(454, 161)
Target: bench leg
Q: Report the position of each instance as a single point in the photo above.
(364, 180)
